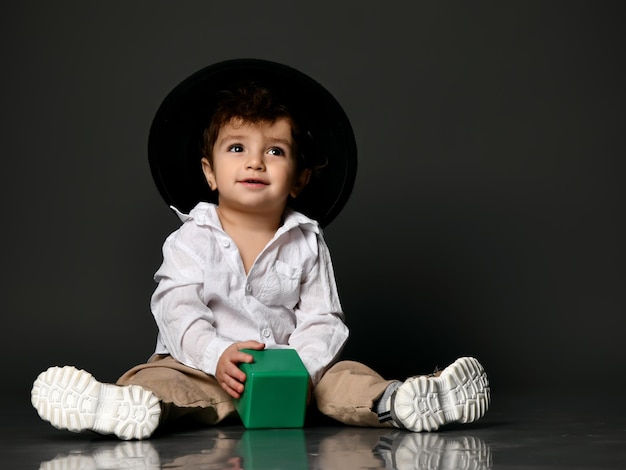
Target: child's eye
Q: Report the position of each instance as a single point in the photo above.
(276, 151)
(235, 148)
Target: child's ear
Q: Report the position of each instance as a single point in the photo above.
(301, 181)
(208, 174)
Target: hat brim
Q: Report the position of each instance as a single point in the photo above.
(174, 143)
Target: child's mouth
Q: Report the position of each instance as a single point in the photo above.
(254, 182)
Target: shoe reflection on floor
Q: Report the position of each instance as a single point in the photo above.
(309, 448)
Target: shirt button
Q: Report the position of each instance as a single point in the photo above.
(226, 244)
(266, 332)
(248, 288)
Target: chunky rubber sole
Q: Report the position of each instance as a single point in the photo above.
(459, 395)
(73, 399)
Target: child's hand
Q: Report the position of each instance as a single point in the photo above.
(229, 376)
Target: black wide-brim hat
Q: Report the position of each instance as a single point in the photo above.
(175, 140)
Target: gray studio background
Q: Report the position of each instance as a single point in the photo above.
(488, 214)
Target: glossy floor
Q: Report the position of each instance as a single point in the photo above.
(519, 432)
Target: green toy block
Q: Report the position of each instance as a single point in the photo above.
(275, 391)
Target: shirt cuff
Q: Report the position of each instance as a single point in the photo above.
(213, 352)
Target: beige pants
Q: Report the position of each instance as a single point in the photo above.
(346, 392)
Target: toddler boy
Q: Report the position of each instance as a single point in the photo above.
(249, 268)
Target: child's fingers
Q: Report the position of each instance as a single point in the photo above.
(251, 345)
(235, 357)
(230, 376)
(230, 390)
(231, 381)
(236, 373)
(232, 393)
(240, 356)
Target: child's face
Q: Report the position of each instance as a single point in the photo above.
(254, 166)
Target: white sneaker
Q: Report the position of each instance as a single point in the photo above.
(459, 394)
(72, 399)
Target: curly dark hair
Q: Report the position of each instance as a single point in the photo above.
(254, 103)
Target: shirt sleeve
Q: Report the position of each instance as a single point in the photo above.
(320, 332)
(185, 322)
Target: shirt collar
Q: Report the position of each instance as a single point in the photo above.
(205, 213)
(294, 218)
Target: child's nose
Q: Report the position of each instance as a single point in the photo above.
(255, 162)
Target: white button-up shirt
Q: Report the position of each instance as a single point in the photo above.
(205, 302)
